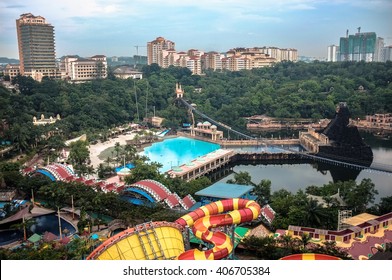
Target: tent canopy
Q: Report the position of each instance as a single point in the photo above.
(35, 238)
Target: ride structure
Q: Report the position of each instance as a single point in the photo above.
(309, 257)
(164, 240)
(204, 218)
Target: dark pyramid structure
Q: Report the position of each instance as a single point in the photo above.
(346, 143)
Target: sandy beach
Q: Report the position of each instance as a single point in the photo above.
(96, 149)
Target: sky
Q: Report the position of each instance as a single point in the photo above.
(115, 27)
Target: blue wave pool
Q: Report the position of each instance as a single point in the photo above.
(177, 151)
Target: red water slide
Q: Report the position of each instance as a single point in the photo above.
(215, 215)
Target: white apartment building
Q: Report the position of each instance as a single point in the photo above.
(278, 54)
(273, 52)
(77, 69)
(194, 64)
(386, 54)
(289, 55)
(333, 53)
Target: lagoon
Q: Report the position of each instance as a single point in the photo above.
(292, 177)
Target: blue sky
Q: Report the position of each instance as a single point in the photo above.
(89, 27)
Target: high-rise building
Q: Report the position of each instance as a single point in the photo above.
(36, 46)
(386, 54)
(365, 46)
(212, 60)
(163, 53)
(155, 47)
(333, 53)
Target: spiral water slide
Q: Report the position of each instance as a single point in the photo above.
(164, 240)
(310, 256)
(214, 215)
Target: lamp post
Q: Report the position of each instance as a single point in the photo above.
(58, 215)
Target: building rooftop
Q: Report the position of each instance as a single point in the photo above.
(359, 219)
(224, 190)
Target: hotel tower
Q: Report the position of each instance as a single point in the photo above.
(36, 46)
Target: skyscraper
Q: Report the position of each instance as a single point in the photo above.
(36, 46)
(365, 46)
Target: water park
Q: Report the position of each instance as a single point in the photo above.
(163, 240)
(221, 215)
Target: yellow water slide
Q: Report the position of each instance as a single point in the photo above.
(148, 241)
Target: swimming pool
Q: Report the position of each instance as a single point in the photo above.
(177, 151)
(50, 223)
(42, 224)
(127, 165)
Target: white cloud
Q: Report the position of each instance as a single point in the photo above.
(83, 21)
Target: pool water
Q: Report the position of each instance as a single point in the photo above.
(127, 165)
(9, 236)
(42, 224)
(50, 223)
(177, 151)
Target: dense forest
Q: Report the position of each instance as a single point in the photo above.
(286, 90)
(289, 90)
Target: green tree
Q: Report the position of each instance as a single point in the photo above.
(130, 152)
(79, 156)
(289, 243)
(241, 178)
(315, 214)
(263, 191)
(144, 171)
(21, 137)
(361, 196)
(305, 239)
(264, 247)
(117, 148)
(24, 225)
(385, 205)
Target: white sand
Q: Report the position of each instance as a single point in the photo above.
(96, 149)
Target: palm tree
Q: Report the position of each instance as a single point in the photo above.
(287, 241)
(305, 238)
(265, 247)
(101, 171)
(315, 213)
(20, 136)
(112, 158)
(108, 161)
(130, 152)
(90, 170)
(136, 140)
(56, 143)
(25, 225)
(117, 148)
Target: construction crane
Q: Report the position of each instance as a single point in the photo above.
(137, 52)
